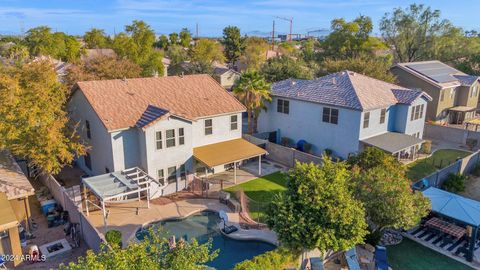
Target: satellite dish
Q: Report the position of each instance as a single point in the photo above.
(223, 215)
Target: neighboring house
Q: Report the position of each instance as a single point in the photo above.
(14, 206)
(93, 53)
(59, 66)
(225, 76)
(345, 112)
(171, 127)
(454, 94)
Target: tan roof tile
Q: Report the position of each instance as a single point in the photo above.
(121, 103)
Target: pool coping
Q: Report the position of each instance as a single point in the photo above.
(268, 236)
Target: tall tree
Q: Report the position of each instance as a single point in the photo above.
(204, 54)
(34, 122)
(102, 68)
(349, 39)
(413, 32)
(284, 67)
(153, 253)
(233, 43)
(17, 53)
(375, 67)
(162, 42)
(318, 209)
(185, 37)
(96, 39)
(255, 53)
(173, 37)
(379, 181)
(253, 91)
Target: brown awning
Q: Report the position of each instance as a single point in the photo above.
(7, 216)
(462, 109)
(227, 152)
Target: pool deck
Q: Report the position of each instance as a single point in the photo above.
(123, 217)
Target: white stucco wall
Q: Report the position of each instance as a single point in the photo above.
(221, 130)
(412, 127)
(100, 144)
(374, 126)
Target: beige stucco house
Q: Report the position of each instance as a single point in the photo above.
(454, 93)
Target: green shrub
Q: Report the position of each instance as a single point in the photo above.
(373, 238)
(272, 260)
(455, 183)
(426, 147)
(286, 141)
(476, 170)
(114, 238)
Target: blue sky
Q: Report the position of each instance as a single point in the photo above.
(165, 16)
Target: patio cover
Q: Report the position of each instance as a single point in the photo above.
(454, 206)
(393, 142)
(227, 152)
(462, 109)
(7, 216)
(110, 184)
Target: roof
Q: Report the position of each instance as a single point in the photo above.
(346, 89)
(409, 96)
(438, 74)
(124, 103)
(13, 181)
(454, 206)
(226, 152)
(93, 53)
(7, 216)
(392, 142)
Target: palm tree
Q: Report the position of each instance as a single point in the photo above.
(252, 90)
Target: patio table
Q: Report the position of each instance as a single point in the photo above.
(446, 227)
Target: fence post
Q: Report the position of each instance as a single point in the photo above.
(436, 180)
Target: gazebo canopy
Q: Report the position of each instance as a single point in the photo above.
(454, 206)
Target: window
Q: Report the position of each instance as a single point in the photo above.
(442, 95)
(88, 161)
(158, 140)
(172, 174)
(183, 172)
(170, 137)
(417, 112)
(161, 176)
(366, 119)
(87, 127)
(330, 115)
(383, 112)
(181, 136)
(233, 122)
(283, 106)
(208, 126)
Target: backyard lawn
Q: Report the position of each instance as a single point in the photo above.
(439, 159)
(409, 255)
(261, 191)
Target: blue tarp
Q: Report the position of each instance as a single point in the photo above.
(454, 206)
(381, 258)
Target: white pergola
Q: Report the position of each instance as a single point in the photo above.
(117, 187)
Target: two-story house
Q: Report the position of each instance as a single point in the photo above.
(346, 111)
(170, 127)
(454, 93)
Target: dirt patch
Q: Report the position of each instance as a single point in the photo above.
(472, 188)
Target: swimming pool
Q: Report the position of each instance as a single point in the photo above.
(203, 226)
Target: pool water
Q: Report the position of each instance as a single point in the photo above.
(203, 226)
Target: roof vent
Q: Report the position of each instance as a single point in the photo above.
(293, 82)
(124, 79)
(334, 80)
(181, 75)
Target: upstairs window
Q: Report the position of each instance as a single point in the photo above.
(417, 112)
(208, 126)
(87, 127)
(158, 140)
(181, 136)
(283, 106)
(233, 122)
(366, 119)
(170, 138)
(172, 175)
(383, 113)
(330, 115)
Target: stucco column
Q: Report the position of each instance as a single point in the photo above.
(234, 172)
(15, 245)
(259, 165)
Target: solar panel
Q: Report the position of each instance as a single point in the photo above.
(438, 72)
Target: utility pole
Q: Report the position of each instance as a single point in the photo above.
(273, 36)
(196, 30)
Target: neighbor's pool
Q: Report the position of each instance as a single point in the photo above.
(202, 226)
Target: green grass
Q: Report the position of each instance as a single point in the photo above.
(261, 191)
(409, 255)
(440, 159)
